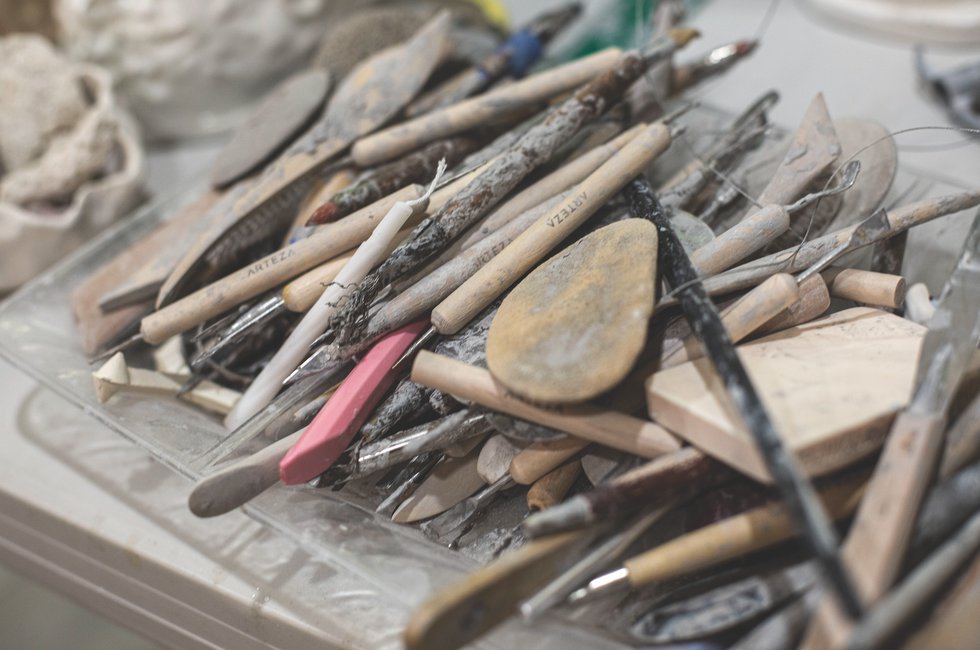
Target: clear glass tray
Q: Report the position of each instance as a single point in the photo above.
(397, 567)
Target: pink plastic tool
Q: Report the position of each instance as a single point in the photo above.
(347, 409)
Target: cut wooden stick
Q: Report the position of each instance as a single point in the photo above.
(551, 488)
(542, 457)
(866, 287)
(813, 302)
(611, 428)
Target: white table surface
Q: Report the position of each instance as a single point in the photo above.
(174, 578)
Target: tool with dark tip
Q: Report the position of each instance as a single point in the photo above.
(514, 58)
(877, 542)
(500, 176)
(714, 62)
(798, 492)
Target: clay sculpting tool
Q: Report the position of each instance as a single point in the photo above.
(662, 479)
(281, 115)
(611, 428)
(451, 481)
(514, 58)
(495, 457)
(713, 544)
(344, 413)
(779, 292)
(501, 175)
(876, 544)
(550, 489)
(800, 257)
(416, 167)
(720, 610)
(258, 209)
(715, 62)
(780, 463)
(464, 512)
(539, 458)
(476, 604)
(265, 386)
(866, 287)
(758, 229)
(545, 347)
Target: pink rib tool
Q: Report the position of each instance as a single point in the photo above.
(347, 409)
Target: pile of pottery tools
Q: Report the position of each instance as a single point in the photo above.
(625, 351)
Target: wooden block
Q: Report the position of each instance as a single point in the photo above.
(832, 387)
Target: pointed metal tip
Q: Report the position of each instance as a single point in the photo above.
(413, 349)
(120, 347)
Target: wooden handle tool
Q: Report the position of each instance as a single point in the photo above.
(286, 263)
(814, 300)
(546, 233)
(741, 240)
(388, 143)
(240, 481)
(866, 287)
(542, 457)
(551, 488)
(611, 428)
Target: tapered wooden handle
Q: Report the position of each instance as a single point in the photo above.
(741, 240)
(241, 481)
(482, 109)
(611, 428)
(866, 287)
(539, 458)
(220, 296)
(744, 316)
(734, 537)
(814, 300)
(463, 611)
(453, 313)
(551, 488)
(875, 545)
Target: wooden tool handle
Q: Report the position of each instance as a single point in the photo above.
(543, 235)
(814, 301)
(220, 296)
(466, 609)
(866, 287)
(741, 240)
(554, 183)
(733, 537)
(482, 109)
(551, 488)
(243, 480)
(744, 316)
(539, 458)
(875, 545)
(611, 428)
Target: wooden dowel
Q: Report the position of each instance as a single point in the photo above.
(216, 298)
(539, 458)
(406, 136)
(546, 233)
(551, 488)
(611, 428)
(866, 287)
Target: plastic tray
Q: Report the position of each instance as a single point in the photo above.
(397, 567)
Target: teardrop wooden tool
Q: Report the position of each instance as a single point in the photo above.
(251, 211)
(832, 387)
(572, 329)
(495, 457)
(452, 480)
(285, 111)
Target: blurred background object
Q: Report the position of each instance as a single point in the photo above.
(947, 22)
(70, 158)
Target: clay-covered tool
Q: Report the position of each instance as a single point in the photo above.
(451, 481)
(573, 328)
(280, 116)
